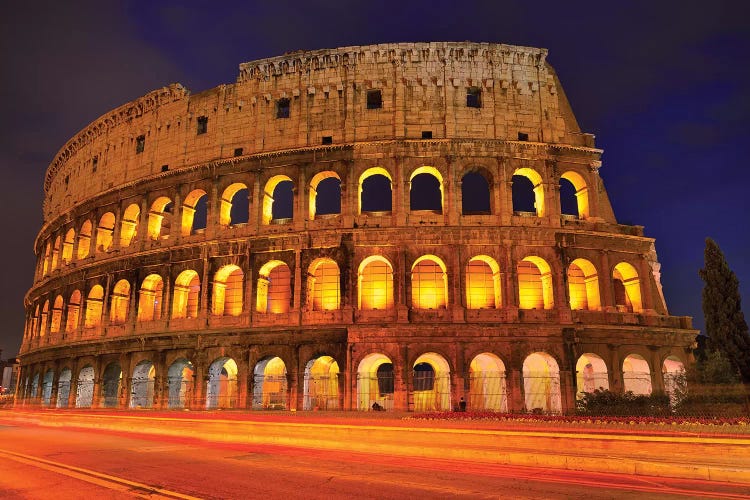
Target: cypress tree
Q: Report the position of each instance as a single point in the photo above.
(726, 327)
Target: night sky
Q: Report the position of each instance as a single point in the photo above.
(664, 86)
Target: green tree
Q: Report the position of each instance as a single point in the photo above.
(726, 327)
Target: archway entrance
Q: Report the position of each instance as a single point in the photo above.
(487, 383)
(321, 384)
(63, 388)
(180, 383)
(85, 388)
(111, 385)
(375, 383)
(591, 374)
(221, 391)
(541, 383)
(673, 374)
(636, 375)
(431, 383)
(49, 378)
(142, 387)
(270, 385)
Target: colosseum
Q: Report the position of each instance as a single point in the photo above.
(410, 227)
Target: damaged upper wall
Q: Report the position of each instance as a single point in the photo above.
(423, 91)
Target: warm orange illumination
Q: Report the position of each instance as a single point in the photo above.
(268, 194)
(487, 389)
(321, 384)
(227, 291)
(582, 194)
(375, 280)
(536, 180)
(45, 316)
(225, 204)
(591, 374)
(129, 228)
(636, 374)
(186, 295)
(56, 253)
(74, 311)
(188, 210)
(429, 283)
(159, 218)
(365, 175)
(324, 285)
(84, 240)
(274, 290)
(94, 302)
(68, 242)
(45, 262)
(541, 383)
(105, 232)
(436, 174)
(534, 284)
(320, 176)
(431, 383)
(482, 283)
(627, 288)
(270, 384)
(221, 386)
(583, 286)
(375, 382)
(119, 303)
(57, 310)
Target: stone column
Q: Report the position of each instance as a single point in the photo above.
(605, 283)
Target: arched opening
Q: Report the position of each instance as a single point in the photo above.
(583, 286)
(35, 322)
(129, 224)
(119, 303)
(274, 290)
(234, 206)
(375, 384)
(482, 283)
(627, 288)
(85, 387)
(67, 249)
(429, 283)
(673, 374)
(534, 284)
(270, 384)
(591, 374)
(34, 387)
(375, 193)
(541, 383)
(74, 311)
(84, 240)
(324, 285)
(56, 253)
(57, 310)
(111, 385)
(44, 319)
(426, 190)
(180, 383)
(375, 284)
(160, 218)
(63, 388)
(221, 390)
(325, 194)
(45, 261)
(475, 194)
(278, 200)
(574, 197)
(431, 378)
(227, 291)
(142, 386)
(150, 298)
(194, 212)
(47, 382)
(321, 384)
(487, 389)
(105, 232)
(528, 193)
(94, 303)
(186, 295)
(636, 375)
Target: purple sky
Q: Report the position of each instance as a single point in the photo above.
(665, 87)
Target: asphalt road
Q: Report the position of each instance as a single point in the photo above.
(41, 462)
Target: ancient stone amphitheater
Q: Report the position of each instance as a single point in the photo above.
(397, 227)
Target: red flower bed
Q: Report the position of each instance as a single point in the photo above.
(584, 419)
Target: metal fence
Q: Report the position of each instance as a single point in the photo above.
(321, 392)
(487, 391)
(269, 392)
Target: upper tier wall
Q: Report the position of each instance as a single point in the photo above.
(423, 87)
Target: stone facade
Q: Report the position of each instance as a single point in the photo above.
(140, 302)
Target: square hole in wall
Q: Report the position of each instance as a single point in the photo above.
(237, 151)
(473, 97)
(374, 99)
(523, 136)
(282, 108)
(327, 139)
(164, 168)
(427, 134)
(202, 125)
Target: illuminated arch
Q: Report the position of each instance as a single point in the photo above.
(269, 192)
(487, 388)
(142, 385)
(378, 188)
(636, 375)
(537, 188)
(119, 303)
(47, 383)
(270, 384)
(229, 205)
(44, 319)
(160, 218)
(315, 182)
(375, 382)
(321, 389)
(67, 249)
(324, 285)
(431, 383)
(483, 283)
(583, 286)
(375, 284)
(673, 374)
(227, 291)
(105, 232)
(84, 240)
(534, 284)
(627, 288)
(46, 262)
(429, 283)
(221, 386)
(111, 384)
(475, 194)
(85, 387)
(57, 310)
(414, 202)
(63, 388)
(129, 224)
(186, 295)
(94, 303)
(56, 253)
(180, 383)
(274, 290)
(74, 311)
(150, 298)
(541, 383)
(591, 374)
(581, 192)
(194, 202)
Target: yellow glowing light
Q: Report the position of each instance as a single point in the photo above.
(429, 283)
(536, 180)
(534, 284)
(375, 283)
